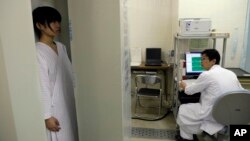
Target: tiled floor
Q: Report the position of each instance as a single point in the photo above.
(167, 123)
(144, 139)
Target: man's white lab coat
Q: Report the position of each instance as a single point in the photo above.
(194, 117)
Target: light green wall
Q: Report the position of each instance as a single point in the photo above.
(20, 106)
(7, 129)
(96, 56)
(62, 7)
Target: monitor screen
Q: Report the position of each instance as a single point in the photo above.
(193, 63)
(153, 53)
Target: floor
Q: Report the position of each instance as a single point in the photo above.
(145, 127)
(158, 130)
(166, 124)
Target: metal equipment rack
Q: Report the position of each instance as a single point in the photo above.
(212, 39)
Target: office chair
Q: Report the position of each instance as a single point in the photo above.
(148, 86)
(232, 108)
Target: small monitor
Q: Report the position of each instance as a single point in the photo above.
(193, 63)
(153, 56)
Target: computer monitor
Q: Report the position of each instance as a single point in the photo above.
(193, 63)
(153, 56)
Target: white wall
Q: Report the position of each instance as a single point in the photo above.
(96, 56)
(153, 23)
(246, 57)
(227, 16)
(20, 107)
(150, 24)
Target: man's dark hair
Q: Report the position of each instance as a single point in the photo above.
(45, 15)
(212, 54)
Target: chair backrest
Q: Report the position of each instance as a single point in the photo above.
(233, 108)
(147, 80)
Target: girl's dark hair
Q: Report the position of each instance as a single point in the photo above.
(212, 54)
(45, 15)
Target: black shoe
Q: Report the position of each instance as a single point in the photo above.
(179, 138)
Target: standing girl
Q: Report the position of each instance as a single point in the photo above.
(56, 77)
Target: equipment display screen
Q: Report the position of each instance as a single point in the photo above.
(193, 63)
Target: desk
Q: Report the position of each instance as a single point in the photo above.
(167, 70)
(143, 67)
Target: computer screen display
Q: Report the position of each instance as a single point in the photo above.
(153, 57)
(193, 63)
(153, 53)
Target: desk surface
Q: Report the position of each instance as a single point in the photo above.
(240, 72)
(143, 67)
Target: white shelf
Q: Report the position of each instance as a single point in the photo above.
(210, 36)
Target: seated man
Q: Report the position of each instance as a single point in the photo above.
(193, 118)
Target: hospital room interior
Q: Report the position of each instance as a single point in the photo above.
(110, 44)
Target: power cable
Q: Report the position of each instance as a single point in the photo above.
(155, 119)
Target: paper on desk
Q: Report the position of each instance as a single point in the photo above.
(189, 81)
(135, 56)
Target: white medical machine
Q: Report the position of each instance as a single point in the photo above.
(194, 27)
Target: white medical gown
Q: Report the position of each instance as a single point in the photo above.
(57, 91)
